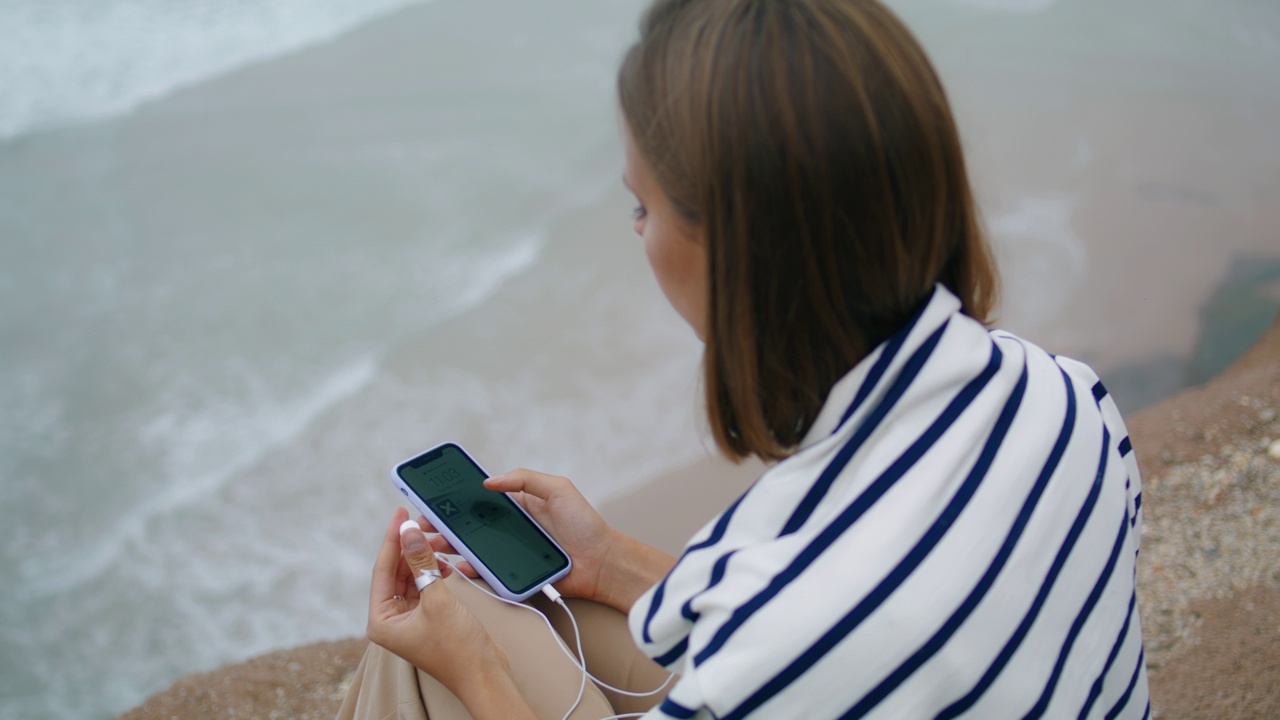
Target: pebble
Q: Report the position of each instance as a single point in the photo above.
(1267, 415)
(1213, 527)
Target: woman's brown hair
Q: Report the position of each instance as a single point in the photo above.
(812, 143)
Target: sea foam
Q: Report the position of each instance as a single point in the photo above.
(1043, 260)
(203, 450)
(74, 60)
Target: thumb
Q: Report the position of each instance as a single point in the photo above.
(418, 554)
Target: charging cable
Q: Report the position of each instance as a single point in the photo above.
(579, 660)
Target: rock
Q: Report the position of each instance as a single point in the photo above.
(1274, 450)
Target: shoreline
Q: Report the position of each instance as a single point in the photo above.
(1209, 580)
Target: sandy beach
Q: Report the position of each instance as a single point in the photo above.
(1208, 579)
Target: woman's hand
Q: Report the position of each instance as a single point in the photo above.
(432, 630)
(608, 567)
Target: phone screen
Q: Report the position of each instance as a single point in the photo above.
(518, 552)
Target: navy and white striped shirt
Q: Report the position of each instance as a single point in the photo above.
(956, 537)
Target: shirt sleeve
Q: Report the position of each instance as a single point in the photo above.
(1114, 422)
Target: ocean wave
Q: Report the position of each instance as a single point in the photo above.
(209, 430)
(203, 451)
(76, 60)
(1043, 260)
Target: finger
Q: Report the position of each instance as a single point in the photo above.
(426, 525)
(383, 585)
(539, 485)
(465, 568)
(417, 551)
(440, 544)
(450, 561)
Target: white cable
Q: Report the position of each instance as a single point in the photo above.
(577, 634)
(553, 595)
(581, 661)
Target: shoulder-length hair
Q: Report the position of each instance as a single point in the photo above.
(813, 145)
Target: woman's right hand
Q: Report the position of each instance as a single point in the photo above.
(563, 512)
(608, 566)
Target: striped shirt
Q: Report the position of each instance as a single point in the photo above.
(956, 537)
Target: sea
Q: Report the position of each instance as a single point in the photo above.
(252, 254)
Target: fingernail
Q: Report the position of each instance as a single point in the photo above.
(413, 541)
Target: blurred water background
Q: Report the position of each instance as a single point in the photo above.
(254, 253)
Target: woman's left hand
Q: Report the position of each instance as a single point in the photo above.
(431, 629)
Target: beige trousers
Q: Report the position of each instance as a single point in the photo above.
(386, 686)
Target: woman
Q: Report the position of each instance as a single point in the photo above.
(950, 525)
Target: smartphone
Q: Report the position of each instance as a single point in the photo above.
(500, 540)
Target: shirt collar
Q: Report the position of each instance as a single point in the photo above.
(941, 306)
